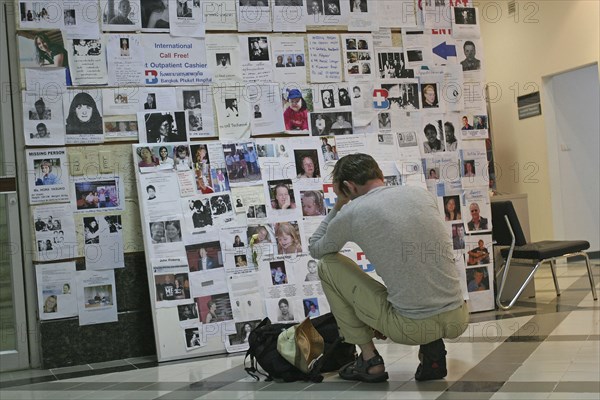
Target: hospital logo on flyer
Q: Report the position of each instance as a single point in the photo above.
(364, 264)
(329, 194)
(151, 77)
(380, 99)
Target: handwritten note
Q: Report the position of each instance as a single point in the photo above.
(325, 59)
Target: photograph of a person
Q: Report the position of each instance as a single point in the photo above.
(214, 308)
(150, 103)
(314, 7)
(451, 140)
(312, 275)
(320, 123)
(477, 279)
(237, 241)
(40, 111)
(313, 204)
(165, 127)
(287, 235)
(50, 304)
(470, 63)
(193, 338)
(91, 234)
(168, 287)
(146, 157)
(327, 100)
(98, 296)
(223, 60)
(465, 15)
(231, 108)
(329, 150)
(183, 9)
(191, 99)
(384, 120)
(172, 231)
(124, 47)
(157, 232)
(83, 117)
(452, 208)
(220, 204)
(204, 256)
(429, 95)
(358, 6)
(458, 236)
(48, 172)
(311, 307)
(97, 194)
(187, 312)
(181, 158)
(69, 17)
(432, 173)
(307, 164)
(120, 16)
(433, 142)
(264, 234)
(480, 122)
(282, 194)
(285, 312)
(477, 222)
(50, 50)
(155, 14)
(341, 123)
(296, 109)
(243, 330)
(258, 48)
(41, 132)
(278, 273)
(478, 255)
(468, 169)
(241, 261)
(332, 7)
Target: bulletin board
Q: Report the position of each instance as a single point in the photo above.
(235, 113)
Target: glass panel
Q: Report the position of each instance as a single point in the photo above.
(7, 313)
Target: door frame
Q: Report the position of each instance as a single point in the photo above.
(27, 353)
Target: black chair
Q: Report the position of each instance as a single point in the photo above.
(507, 231)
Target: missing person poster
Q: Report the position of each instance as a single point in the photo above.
(175, 60)
(47, 175)
(96, 297)
(56, 290)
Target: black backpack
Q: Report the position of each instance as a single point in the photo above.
(263, 351)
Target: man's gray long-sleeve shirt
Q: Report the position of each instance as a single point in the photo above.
(401, 232)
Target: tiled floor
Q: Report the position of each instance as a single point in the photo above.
(544, 348)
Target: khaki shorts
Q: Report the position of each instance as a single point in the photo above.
(360, 305)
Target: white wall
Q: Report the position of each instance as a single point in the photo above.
(546, 38)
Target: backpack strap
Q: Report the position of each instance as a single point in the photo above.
(315, 374)
(253, 370)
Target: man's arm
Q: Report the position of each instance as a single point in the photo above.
(333, 232)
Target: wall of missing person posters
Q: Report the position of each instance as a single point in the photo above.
(238, 111)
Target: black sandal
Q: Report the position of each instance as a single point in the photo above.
(358, 370)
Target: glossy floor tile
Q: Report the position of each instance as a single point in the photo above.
(547, 347)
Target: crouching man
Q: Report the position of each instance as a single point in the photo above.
(401, 232)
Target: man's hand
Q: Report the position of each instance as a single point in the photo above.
(342, 199)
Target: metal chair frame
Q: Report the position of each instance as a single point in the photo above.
(506, 266)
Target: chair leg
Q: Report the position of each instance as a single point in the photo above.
(518, 294)
(590, 275)
(553, 269)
